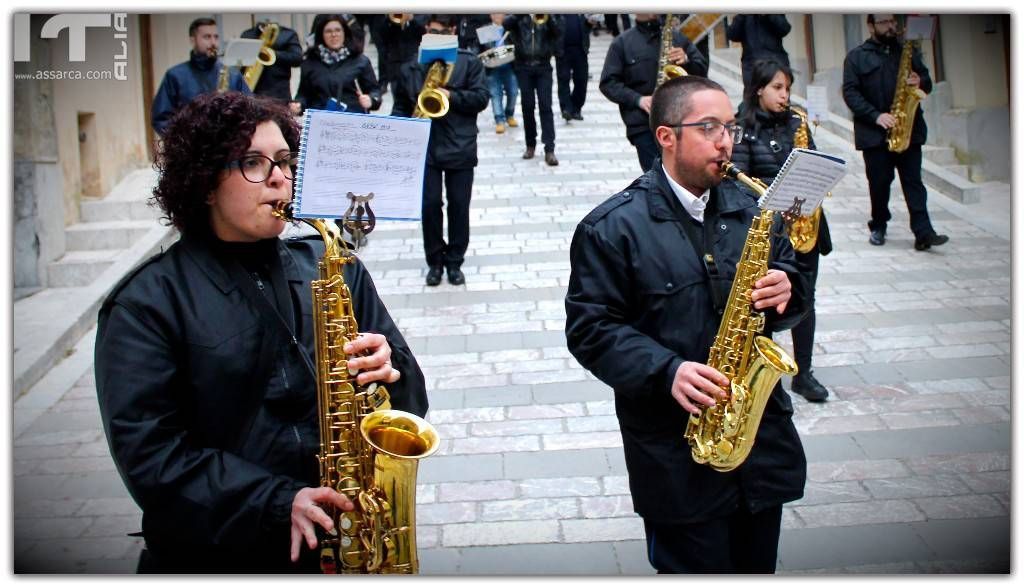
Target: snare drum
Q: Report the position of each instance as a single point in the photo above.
(498, 56)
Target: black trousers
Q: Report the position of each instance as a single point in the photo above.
(647, 149)
(742, 543)
(535, 89)
(458, 184)
(803, 332)
(572, 67)
(881, 166)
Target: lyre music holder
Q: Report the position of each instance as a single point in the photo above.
(359, 220)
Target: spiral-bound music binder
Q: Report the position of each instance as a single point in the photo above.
(803, 181)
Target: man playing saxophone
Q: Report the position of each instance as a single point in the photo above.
(870, 82)
(204, 354)
(651, 269)
(451, 152)
(631, 71)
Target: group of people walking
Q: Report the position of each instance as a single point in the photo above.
(203, 354)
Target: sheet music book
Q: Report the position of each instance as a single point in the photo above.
(434, 47)
(342, 152)
(803, 181)
(488, 33)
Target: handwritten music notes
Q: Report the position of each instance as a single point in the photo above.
(804, 180)
(344, 152)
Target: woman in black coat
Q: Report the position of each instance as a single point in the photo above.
(335, 67)
(769, 125)
(204, 354)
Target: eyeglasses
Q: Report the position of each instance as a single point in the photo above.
(257, 168)
(715, 130)
(436, 31)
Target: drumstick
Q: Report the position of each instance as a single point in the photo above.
(358, 89)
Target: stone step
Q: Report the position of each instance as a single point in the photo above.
(80, 268)
(119, 234)
(99, 210)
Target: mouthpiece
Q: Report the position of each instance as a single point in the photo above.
(283, 210)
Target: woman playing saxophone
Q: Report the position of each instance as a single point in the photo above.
(771, 129)
(204, 354)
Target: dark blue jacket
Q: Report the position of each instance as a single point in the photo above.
(185, 81)
(761, 36)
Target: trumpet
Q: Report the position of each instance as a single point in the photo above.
(539, 19)
(399, 19)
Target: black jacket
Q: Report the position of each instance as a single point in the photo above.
(631, 72)
(582, 35)
(637, 306)
(275, 81)
(761, 36)
(212, 442)
(535, 45)
(765, 146)
(453, 136)
(869, 85)
(400, 43)
(320, 81)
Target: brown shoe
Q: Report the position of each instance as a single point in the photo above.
(512, 122)
(499, 128)
(549, 158)
(528, 154)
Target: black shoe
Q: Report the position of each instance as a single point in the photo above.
(434, 275)
(567, 115)
(928, 242)
(549, 158)
(877, 237)
(807, 386)
(528, 154)
(577, 116)
(456, 277)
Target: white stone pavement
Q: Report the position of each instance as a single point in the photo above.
(908, 459)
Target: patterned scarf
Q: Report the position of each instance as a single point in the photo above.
(329, 56)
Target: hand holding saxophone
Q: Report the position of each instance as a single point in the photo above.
(698, 383)
(376, 366)
(677, 56)
(772, 290)
(306, 511)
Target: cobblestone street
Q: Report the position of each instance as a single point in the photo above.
(909, 460)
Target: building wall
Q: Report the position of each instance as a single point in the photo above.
(115, 136)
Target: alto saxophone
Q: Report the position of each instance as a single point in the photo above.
(666, 70)
(431, 103)
(904, 103)
(803, 230)
(723, 435)
(368, 452)
(267, 56)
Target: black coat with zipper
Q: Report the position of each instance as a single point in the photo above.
(275, 80)
(637, 306)
(535, 44)
(767, 142)
(320, 81)
(631, 72)
(869, 85)
(209, 407)
(452, 136)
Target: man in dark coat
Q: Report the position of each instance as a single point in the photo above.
(451, 153)
(198, 75)
(537, 38)
(761, 36)
(631, 73)
(399, 43)
(869, 85)
(642, 314)
(275, 80)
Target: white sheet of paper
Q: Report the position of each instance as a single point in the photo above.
(345, 152)
(805, 178)
(488, 34)
(241, 52)
(920, 28)
(817, 104)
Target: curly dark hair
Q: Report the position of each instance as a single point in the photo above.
(200, 140)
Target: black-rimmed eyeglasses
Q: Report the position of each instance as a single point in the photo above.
(257, 168)
(715, 130)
